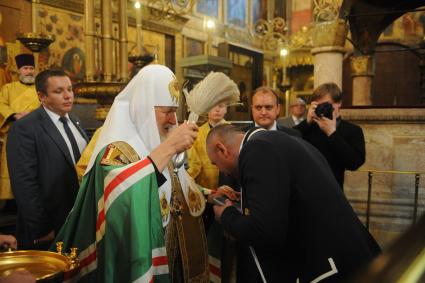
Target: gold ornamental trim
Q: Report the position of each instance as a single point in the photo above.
(97, 89)
(300, 57)
(175, 88)
(390, 115)
(362, 66)
(332, 33)
(102, 112)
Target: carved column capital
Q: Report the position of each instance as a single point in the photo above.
(330, 33)
(363, 65)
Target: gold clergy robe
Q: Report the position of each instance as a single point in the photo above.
(15, 97)
(81, 165)
(200, 167)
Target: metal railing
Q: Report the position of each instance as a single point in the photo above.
(371, 173)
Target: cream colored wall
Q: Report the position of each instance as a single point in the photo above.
(395, 140)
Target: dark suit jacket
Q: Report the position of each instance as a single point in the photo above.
(344, 149)
(286, 122)
(43, 176)
(289, 131)
(297, 216)
(234, 182)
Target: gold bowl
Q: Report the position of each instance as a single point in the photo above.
(45, 266)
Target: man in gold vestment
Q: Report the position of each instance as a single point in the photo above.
(17, 99)
(200, 166)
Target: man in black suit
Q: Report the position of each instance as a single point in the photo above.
(42, 150)
(341, 143)
(295, 221)
(265, 110)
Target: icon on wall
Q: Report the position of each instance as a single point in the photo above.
(73, 63)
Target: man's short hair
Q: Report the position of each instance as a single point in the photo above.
(266, 89)
(327, 88)
(42, 78)
(224, 133)
(296, 101)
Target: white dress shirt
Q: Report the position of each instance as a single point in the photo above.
(81, 142)
(272, 128)
(297, 120)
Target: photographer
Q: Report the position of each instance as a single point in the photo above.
(342, 143)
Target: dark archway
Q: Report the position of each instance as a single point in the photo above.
(400, 70)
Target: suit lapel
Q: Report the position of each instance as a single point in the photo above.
(77, 124)
(56, 136)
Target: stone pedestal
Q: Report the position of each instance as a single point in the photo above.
(328, 51)
(362, 72)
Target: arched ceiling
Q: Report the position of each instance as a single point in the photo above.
(368, 19)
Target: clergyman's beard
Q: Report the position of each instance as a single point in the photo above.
(28, 80)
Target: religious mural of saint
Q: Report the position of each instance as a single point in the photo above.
(207, 7)
(236, 12)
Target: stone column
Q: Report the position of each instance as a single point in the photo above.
(123, 50)
(107, 40)
(362, 72)
(139, 40)
(89, 37)
(34, 16)
(328, 51)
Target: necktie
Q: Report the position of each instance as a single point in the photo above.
(75, 149)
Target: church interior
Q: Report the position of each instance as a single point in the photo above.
(373, 50)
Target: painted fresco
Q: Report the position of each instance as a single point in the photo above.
(68, 49)
(194, 47)
(408, 29)
(302, 14)
(207, 7)
(259, 10)
(236, 12)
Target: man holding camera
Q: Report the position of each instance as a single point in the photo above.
(341, 143)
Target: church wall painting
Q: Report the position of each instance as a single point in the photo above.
(408, 29)
(73, 63)
(259, 10)
(236, 13)
(193, 47)
(67, 51)
(207, 7)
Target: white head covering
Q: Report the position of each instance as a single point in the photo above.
(132, 116)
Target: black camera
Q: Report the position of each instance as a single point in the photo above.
(324, 109)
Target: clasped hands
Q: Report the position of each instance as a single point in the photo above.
(230, 195)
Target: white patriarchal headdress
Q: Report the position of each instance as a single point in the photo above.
(132, 115)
